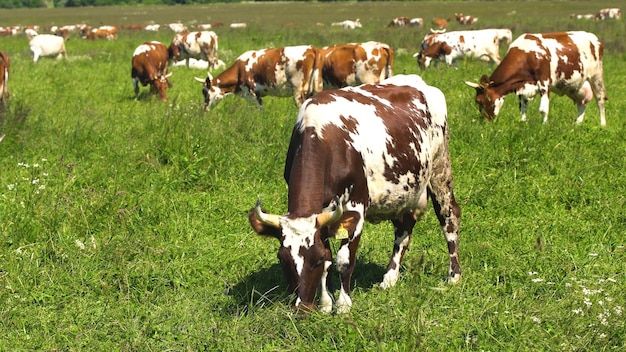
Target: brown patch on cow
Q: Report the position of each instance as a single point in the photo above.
(462, 39)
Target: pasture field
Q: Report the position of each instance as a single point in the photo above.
(123, 222)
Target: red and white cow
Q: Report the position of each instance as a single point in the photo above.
(356, 63)
(374, 152)
(348, 24)
(47, 45)
(201, 45)
(483, 44)
(609, 13)
(406, 22)
(5, 66)
(439, 24)
(565, 63)
(149, 66)
(289, 71)
(465, 19)
(102, 32)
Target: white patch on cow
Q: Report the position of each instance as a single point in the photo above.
(326, 300)
(391, 277)
(144, 48)
(344, 302)
(298, 234)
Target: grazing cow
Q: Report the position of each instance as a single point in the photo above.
(449, 47)
(406, 22)
(153, 27)
(565, 63)
(47, 45)
(348, 24)
(374, 152)
(103, 32)
(609, 13)
(177, 27)
(588, 16)
(198, 45)
(238, 25)
(465, 19)
(150, 61)
(292, 70)
(356, 63)
(5, 65)
(203, 26)
(439, 24)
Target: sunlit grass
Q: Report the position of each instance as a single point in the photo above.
(124, 222)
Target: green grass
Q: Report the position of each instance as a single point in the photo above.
(124, 225)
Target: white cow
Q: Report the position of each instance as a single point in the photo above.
(348, 24)
(201, 64)
(481, 44)
(47, 45)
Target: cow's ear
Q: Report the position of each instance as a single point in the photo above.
(345, 227)
(484, 81)
(261, 228)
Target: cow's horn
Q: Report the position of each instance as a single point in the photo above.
(328, 217)
(201, 80)
(265, 218)
(472, 84)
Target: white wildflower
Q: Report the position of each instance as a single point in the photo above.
(618, 310)
(80, 244)
(587, 302)
(531, 273)
(578, 311)
(536, 320)
(593, 254)
(538, 279)
(11, 186)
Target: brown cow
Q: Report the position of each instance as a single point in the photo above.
(356, 63)
(150, 63)
(4, 78)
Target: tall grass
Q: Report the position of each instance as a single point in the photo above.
(124, 224)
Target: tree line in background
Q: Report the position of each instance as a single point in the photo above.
(14, 4)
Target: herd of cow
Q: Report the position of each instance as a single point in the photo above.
(368, 144)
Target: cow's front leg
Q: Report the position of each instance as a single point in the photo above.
(326, 299)
(346, 259)
(402, 232)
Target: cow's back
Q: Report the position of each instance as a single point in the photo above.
(394, 130)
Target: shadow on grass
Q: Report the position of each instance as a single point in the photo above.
(268, 285)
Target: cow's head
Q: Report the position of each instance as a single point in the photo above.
(302, 253)
(489, 102)
(211, 92)
(161, 84)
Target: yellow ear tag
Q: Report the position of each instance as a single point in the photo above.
(342, 233)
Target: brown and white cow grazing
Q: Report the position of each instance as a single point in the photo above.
(609, 13)
(483, 44)
(406, 22)
(102, 32)
(356, 63)
(292, 70)
(374, 152)
(348, 24)
(150, 63)
(465, 19)
(5, 65)
(198, 45)
(565, 63)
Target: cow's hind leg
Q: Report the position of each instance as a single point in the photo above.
(448, 211)
(403, 228)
